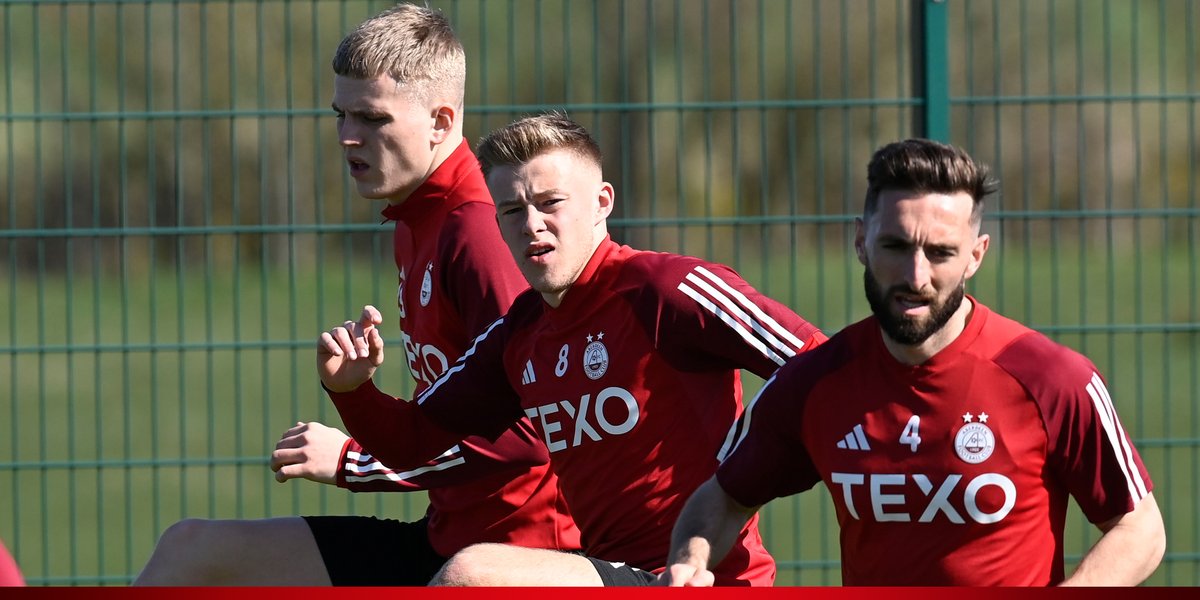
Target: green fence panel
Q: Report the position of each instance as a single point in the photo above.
(176, 226)
(1088, 109)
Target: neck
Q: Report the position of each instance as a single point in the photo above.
(918, 354)
(440, 154)
(443, 151)
(555, 298)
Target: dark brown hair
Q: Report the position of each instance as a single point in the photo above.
(925, 166)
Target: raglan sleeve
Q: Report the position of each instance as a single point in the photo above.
(471, 398)
(484, 279)
(1088, 449)
(768, 460)
(705, 316)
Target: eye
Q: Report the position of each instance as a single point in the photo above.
(510, 210)
(377, 119)
(341, 116)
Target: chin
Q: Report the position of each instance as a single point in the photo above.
(544, 286)
(537, 283)
(373, 193)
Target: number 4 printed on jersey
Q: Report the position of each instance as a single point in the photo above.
(912, 433)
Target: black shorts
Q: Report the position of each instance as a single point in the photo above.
(378, 552)
(621, 574)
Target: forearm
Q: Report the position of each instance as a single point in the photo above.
(707, 528)
(396, 431)
(472, 459)
(360, 471)
(1128, 552)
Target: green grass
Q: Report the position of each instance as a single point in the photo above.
(139, 399)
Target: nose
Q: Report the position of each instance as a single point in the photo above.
(918, 272)
(347, 134)
(534, 223)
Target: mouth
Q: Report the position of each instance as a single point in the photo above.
(357, 166)
(911, 304)
(535, 252)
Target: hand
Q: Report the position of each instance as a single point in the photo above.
(685, 575)
(347, 356)
(309, 451)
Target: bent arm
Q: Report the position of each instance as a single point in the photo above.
(473, 398)
(706, 530)
(1129, 551)
(472, 459)
(398, 432)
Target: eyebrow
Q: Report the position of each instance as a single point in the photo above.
(357, 112)
(893, 238)
(550, 192)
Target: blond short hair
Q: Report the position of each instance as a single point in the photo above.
(413, 45)
(525, 139)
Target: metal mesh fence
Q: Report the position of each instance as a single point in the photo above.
(176, 225)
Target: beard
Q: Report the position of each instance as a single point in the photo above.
(902, 329)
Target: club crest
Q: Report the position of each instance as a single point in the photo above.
(975, 441)
(400, 293)
(595, 357)
(427, 285)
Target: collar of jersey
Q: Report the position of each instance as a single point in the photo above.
(948, 355)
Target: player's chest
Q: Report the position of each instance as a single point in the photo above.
(430, 326)
(416, 292)
(418, 272)
(584, 383)
(962, 424)
(958, 453)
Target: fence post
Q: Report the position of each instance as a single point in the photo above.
(931, 79)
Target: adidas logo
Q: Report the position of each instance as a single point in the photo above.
(855, 440)
(528, 377)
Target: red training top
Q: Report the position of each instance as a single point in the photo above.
(632, 383)
(953, 472)
(456, 276)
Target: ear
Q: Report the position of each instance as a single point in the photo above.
(977, 251)
(604, 207)
(444, 117)
(860, 240)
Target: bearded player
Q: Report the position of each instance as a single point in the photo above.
(950, 437)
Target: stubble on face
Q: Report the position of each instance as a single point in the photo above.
(903, 329)
(552, 234)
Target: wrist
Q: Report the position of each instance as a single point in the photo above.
(342, 390)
